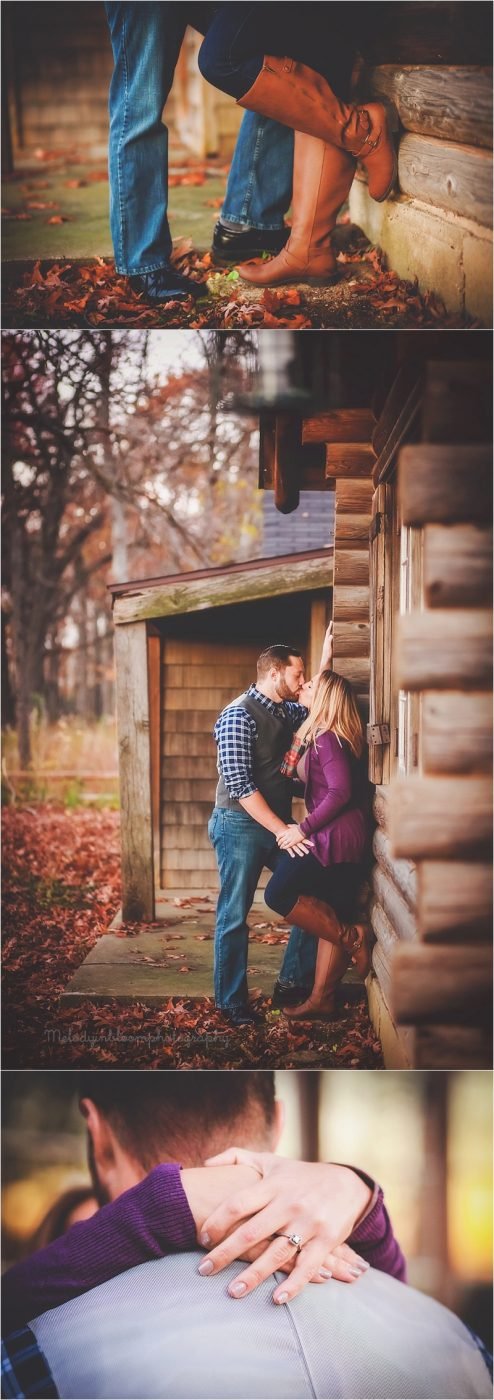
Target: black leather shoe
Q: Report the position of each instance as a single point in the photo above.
(232, 247)
(242, 1016)
(166, 284)
(288, 995)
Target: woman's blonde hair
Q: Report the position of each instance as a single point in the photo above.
(334, 708)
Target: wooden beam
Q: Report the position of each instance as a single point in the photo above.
(452, 103)
(352, 530)
(351, 566)
(353, 497)
(402, 873)
(450, 985)
(398, 416)
(349, 460)
(155, 674)
(448, 176)
(350, 604)
(318, 625)
(356, 670)
(414, 32)
(445, 485)
(342, 425)
(444, 649)
(456, 732)
(133, 720)
(457, 404)
(397, 911)
(446, 1047)
(351, 638)
(193, 595)
(286, 466)
(457, 566)
(454, 901)
(441, 818)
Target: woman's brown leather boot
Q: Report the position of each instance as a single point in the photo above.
(331, 966)
(297, 96)
(318, 918)
(322, 178)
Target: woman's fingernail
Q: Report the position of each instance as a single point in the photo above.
(281, 1298)
(206, 1267)
(362, 1263)
(205, 1239)
(355, 1273)
(236, 1289)
(325, 1273)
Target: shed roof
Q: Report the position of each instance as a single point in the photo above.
(172, 594)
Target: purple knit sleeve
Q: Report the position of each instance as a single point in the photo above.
(152, 1219)
(374, 1237)
(337, 773)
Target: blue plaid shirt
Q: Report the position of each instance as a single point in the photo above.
(25, 1370)
(235, 733)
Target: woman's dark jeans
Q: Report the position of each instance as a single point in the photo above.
(337, 885)
(239, 35)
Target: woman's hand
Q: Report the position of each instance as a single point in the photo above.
(292, 839)
(320, 1202)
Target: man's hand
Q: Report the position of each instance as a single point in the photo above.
(320, 1202)
(292, 839)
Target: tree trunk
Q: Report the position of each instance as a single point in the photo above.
(8, 701)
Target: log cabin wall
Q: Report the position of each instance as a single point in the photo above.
(349, 460)
(441, 816)
(365, 600)
(429, 64)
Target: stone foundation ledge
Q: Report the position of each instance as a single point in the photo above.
(449, 255)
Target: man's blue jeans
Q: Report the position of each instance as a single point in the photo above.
(146, 40)
(242, 849)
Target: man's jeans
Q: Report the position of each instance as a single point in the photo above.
(242, 849)
(146, 40)
(299, 963)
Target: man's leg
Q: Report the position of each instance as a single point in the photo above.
(299, 963)
(258, 193)
(242, 848)
(146, 39)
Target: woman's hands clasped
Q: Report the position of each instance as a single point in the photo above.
(292, 839)
(319, 1202)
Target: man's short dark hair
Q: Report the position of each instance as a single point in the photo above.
(153, 1111)
(277, 656)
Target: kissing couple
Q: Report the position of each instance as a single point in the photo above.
(284, 736)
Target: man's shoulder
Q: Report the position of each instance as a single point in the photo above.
(234, 707)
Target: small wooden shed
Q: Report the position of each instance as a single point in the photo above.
(186, 645)
(411, 469)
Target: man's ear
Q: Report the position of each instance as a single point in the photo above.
(279, 1122)
(102, 1143)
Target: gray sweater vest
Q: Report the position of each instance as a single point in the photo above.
(274, 736)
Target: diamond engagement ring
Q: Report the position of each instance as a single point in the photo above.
(296, 1240)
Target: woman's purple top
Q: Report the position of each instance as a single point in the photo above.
(335, 797)
(150, 1220)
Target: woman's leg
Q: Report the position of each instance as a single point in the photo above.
(293, 878)
(276, 70)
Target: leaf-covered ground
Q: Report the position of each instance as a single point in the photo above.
(61, 889)
(365, 294)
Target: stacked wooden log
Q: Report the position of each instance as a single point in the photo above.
(349, 459)
(442, 818)
(438, 227)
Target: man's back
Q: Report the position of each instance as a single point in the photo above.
(162, 1331)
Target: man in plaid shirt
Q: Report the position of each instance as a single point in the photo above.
(252, 809)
